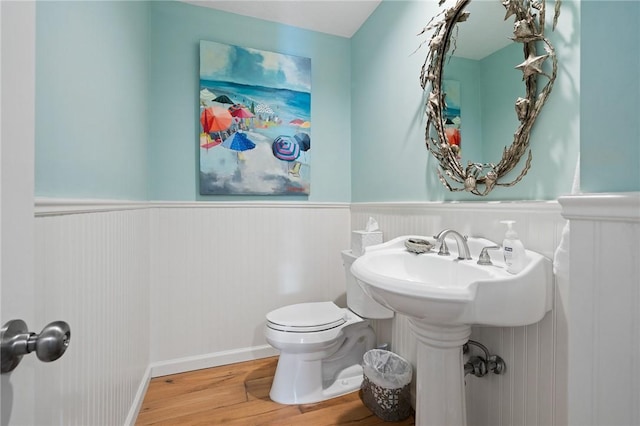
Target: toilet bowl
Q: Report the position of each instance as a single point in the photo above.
(321, 345)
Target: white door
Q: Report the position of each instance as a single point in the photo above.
(17, 123)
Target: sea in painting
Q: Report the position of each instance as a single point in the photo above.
(255, 121)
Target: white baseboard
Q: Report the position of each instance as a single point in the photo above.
(136, 405)
(181, 365)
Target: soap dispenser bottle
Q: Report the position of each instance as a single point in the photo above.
(514, 255)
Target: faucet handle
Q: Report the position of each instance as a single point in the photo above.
(484, 258)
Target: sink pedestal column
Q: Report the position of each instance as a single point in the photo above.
(440, 399)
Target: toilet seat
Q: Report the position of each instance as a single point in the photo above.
(306, 317)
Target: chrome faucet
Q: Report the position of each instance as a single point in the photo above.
(463, 247)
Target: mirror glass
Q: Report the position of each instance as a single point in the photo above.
(481, 82)
(488, 72)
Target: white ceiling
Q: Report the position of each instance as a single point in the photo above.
(341, 18)
(485, 32)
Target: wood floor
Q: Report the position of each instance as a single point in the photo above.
(238, 394)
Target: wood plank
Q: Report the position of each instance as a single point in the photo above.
(348, 413)
(256, 412)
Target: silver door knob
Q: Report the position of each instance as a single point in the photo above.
(16, 341)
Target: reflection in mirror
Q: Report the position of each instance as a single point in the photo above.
(480, 83)
(473, 87)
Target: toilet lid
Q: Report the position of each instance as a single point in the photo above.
(306, 317)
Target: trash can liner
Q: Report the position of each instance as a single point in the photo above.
(385, 385)
(386, 369)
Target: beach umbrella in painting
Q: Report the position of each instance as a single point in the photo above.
(296, 122)
(215, 119)
(304, 140)
(263, 109)
(240, 111)
(206, 97)
(223, 99)
(285, 148)
(238, 142)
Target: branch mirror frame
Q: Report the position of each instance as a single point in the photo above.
(481, 178)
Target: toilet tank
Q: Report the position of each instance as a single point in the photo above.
(357, 300)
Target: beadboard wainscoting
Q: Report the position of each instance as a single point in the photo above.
(219, 268)
(92, 271)
(156, 288)
(151, 289)
(604, 320)
(533, 390)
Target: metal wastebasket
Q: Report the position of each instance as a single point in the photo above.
(385, 388)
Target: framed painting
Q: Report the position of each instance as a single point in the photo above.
(255, 121)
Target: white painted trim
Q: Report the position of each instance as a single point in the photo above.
(45, 206)
(484, 206)
(136, 405)
(64, 206)
(249, 204)
(611, 207)
(181, 365)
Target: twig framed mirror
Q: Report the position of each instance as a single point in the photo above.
(539, 66)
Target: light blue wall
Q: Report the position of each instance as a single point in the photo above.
(389, 160)
(117, 98)
(116, 84)
(610, 101)
(176, 29)
(91, 99)
(387, 151)
(501, 86)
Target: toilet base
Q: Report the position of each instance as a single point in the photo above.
(318, 376)
(317, 366)
(300, 382)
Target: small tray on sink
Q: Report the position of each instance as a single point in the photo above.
(418, 246)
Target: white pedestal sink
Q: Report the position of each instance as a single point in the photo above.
(443, 297)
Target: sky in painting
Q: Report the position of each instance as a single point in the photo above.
(243, 65)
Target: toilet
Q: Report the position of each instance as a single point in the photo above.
(321, 345)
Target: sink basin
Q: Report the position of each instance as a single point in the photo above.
(444, 290)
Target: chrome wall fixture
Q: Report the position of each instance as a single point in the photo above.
(16, 340)
(481, 366)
